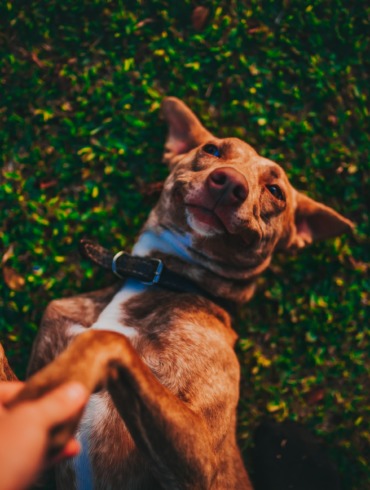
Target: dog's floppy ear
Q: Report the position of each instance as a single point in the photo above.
(315, 221)
(185, 131)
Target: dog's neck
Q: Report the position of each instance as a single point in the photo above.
(175, 249)
(165, 241)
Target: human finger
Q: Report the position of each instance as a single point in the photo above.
(8, 390)
(60, 404)
(71, 449)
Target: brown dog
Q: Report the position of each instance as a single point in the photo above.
(160, 357)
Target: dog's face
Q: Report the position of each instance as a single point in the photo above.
(236, 206)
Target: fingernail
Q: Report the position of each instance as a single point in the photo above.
(75, 391)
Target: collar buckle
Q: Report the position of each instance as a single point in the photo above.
(157, 273)
(114, 263)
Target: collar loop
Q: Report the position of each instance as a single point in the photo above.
(148, 270)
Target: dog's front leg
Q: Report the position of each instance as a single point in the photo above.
(175, 439)
(172, 436)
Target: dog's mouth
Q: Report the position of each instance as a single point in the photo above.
(206, 217)
(208, 222)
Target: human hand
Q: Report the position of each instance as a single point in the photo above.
(24, 431)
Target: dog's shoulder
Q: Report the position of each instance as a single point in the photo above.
(83, 309)
(60, 315)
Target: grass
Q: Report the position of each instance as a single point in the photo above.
(81, 147)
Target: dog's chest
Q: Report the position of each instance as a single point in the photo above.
(165, 337)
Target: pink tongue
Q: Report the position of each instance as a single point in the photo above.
(225, 221)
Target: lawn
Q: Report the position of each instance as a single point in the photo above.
(81, 144)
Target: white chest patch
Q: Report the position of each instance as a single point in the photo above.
(95, 413)
(111, 317)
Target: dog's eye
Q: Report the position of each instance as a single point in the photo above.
(276, 192)
(212, 150)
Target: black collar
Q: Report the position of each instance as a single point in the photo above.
(149, 271)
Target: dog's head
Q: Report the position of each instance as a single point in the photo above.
(236, 206)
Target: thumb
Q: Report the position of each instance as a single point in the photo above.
(61, 404)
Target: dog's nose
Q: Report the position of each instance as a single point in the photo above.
(229, 184)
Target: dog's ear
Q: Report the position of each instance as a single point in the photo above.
(315, 221)
(185, 131)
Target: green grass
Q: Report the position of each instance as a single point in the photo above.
(81, 84)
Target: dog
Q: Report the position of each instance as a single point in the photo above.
(157, 352)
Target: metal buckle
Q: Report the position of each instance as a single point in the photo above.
(114, 265)
(157, 274)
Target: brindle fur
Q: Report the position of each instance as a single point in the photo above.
(168, 395)
(6, 373)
